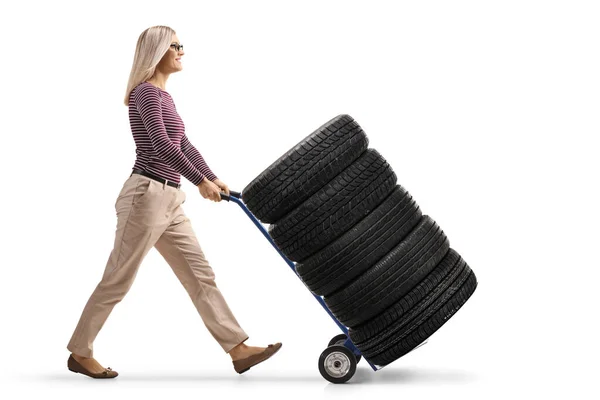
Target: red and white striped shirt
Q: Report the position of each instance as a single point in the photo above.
(162, 148)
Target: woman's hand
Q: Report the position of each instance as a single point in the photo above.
(209, 190)
(221, 185)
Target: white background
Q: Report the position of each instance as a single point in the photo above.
(487, 112)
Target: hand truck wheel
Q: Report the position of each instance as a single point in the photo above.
(337, 364)
(340, 339)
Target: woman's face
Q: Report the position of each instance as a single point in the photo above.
(171, 61)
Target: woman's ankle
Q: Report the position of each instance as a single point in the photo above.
(78, 357)
(238, 348)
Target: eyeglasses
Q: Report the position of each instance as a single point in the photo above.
(176, 46)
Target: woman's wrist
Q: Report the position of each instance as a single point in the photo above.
(202, 182)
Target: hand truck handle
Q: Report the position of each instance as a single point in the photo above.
(237, 195)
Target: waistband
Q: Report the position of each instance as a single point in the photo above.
(156, 178)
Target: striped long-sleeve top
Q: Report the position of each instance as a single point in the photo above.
(162, 148)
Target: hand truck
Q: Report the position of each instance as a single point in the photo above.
(337, 363)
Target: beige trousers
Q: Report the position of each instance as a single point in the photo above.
(149, 213)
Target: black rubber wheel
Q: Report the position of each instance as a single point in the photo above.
(337, 338)
(392, 277)
(337, 364)
(305, 168)
(335, 208)
(340, 339)
(362, 246)
(425, 324)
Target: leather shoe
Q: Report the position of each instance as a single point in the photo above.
(245, 364)
(74, 366)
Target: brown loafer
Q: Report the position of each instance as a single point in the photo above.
(245, 364)
(80, 369)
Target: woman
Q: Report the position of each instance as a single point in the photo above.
(149, 213)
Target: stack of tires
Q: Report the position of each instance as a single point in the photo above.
(359, 239)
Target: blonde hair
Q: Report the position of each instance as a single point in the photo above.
(151, 46)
